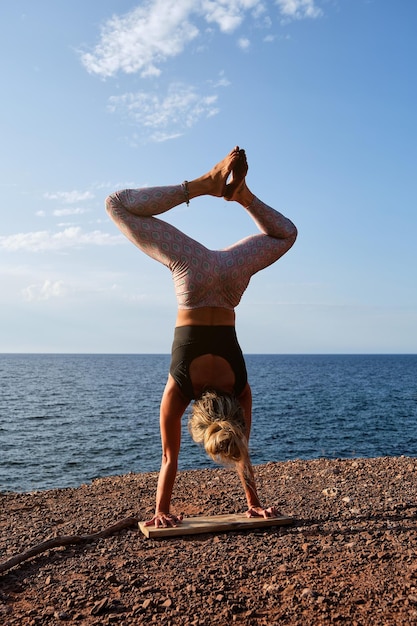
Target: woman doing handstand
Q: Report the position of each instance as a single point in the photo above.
(207, 365)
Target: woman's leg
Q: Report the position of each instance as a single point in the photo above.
(151, 201)
(278, 232)
(132, 210)
(256, 252)
(147, 201)
(271, 222)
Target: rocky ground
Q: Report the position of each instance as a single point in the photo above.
(349, 558)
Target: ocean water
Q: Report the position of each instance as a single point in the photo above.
(67, 419)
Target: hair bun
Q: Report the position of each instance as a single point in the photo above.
(217, 422)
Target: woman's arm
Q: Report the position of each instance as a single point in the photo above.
(244, 468)
(172, 409)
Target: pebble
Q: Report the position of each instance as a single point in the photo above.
(100, 607)
(62, 616)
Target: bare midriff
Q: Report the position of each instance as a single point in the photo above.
(206, 316)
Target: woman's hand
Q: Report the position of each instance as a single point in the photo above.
(164, 520)
(258, 511)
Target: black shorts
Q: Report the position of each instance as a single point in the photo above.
(191, 342)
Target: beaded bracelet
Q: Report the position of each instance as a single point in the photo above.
(186, 192)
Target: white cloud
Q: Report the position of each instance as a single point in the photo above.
(111, 185)
(64, 212)
(168, 116)
(298, 9)
(243, 43)
(69, 197)
(222, 81)
(227, 14)
(142, 39)
(44, 291)
(71, 237)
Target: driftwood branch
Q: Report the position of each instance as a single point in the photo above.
(67, 540)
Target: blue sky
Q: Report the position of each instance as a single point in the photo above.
(113, 94)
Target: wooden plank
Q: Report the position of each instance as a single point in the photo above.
(213, 523)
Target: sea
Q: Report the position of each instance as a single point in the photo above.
(66, 419)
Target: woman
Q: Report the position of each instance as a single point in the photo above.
(207, 364)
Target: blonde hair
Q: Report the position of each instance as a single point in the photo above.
(217, 422)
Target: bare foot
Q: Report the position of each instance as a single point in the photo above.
(239, 171)
(215, 181)
(220, 173)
